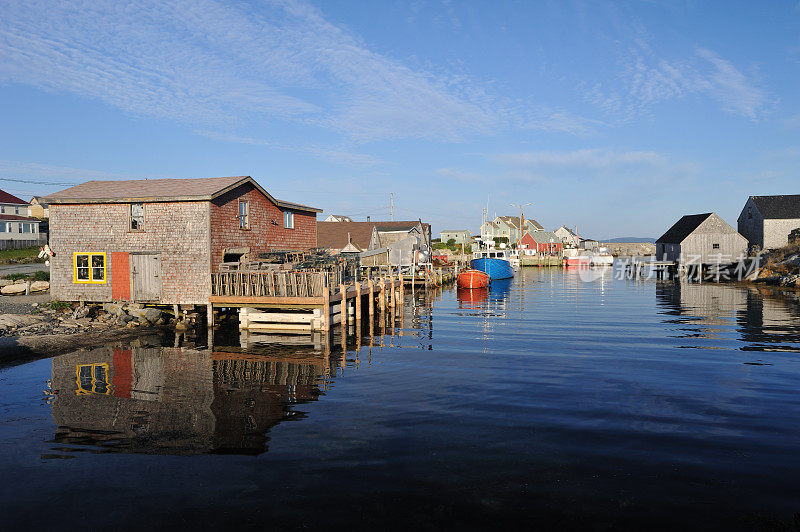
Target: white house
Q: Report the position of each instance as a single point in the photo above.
(17, 228)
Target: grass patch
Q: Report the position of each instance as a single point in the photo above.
(24, 254)
(35, 276)
(58, 305)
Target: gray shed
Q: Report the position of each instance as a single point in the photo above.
(701, 238)
(766, 221)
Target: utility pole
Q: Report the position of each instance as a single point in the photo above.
(391, 204)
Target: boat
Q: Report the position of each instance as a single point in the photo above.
(495, 262)
(473, 279)
(588, 257)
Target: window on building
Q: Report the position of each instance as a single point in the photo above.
(714, 246)
(92, 378)
(19, 227)
(90, 268)
(2, 209)
(4, 227)
(244, 215)
(16, 210)
(137, 217)
(288, 220)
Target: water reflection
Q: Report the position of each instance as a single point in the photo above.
(758, 316)
(177, 400)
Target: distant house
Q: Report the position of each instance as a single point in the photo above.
(461, 236)
(544, 242)
(701, 238)
(766, 221)
(508, 227)
(568, 237)
(159, 240)
(588, 243)
(338, 218)
(17, 228)
(39, 208)
(10, 204)
(399, 239)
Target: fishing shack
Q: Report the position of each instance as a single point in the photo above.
(159, 241)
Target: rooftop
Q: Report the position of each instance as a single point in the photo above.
(778, 207)
(683, 228)
(5, 197)
(333, 235)
(161, 190)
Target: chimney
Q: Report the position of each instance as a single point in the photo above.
(367, 218)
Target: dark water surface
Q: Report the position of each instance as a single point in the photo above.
(548, 403)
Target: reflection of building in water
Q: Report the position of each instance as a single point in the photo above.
(176, 400)
(760, 315)
(772, 316)
(712, 306)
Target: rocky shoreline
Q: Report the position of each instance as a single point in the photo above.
(33, 326)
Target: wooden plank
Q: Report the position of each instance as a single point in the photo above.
(237, 301)
(280, 317)
(279, 326)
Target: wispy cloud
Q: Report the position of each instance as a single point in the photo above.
(647, 79)
(214, 64)
(327, 153)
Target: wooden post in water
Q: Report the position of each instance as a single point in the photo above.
(326, 304)
(358, 302)
(371, 299)
(393, 301)
(382, 296)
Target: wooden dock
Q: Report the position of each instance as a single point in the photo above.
(302, 302)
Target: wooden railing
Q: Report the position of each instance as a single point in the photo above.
(271, 284)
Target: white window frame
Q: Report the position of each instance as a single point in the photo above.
(131, 219)
(244, 218)
(288, 220)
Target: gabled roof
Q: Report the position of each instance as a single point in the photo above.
(778, 207)
(544, 237)
(514, 221)
(333, 235)
(683, 228)
(5, 197)
(160, 190)
(17, 218)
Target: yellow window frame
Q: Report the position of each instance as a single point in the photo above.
(90, 280)
(82, 391)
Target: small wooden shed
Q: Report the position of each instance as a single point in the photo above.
(701, 239)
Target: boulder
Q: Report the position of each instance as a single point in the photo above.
(5, 282)
(115, 309)
(18, 320)
(20, 281)
(13, 290)
(80, 312)
(40, 286)
(150, 314)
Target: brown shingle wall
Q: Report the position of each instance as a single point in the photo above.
(262, 235)
(177, 231)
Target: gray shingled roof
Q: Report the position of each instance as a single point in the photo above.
(778, 207)
(683, 228)
(144, 190)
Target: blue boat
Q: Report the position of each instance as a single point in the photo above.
(493, 262)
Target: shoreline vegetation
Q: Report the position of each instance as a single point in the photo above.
(781, 267)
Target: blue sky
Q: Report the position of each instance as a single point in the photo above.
(616, 117)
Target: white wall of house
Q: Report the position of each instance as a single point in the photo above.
(15, 230)
(16, 209)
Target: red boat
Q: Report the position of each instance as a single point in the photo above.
(473, 279)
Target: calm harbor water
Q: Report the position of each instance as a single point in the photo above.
(552, 401)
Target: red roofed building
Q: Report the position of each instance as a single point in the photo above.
(17, 228)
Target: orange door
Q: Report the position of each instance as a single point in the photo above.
(120, 276)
